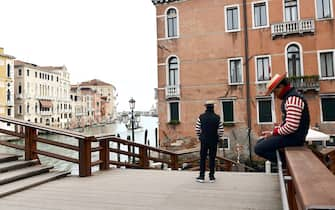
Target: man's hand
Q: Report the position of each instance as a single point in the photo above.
(266, 134)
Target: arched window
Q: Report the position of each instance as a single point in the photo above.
(28, 107)
(171, 20)
(20, 89)
(173, 71)
(36, 107)
(293, 60)
(8, 70)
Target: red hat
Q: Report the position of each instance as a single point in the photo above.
(274, 82)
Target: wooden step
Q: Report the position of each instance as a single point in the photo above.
(23, 173)
(8, 157)
(26, 183)
(13, 165)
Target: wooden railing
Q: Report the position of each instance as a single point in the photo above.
(112, 150)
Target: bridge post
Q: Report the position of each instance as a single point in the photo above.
(174, 162)
(104, 154)
(85, 156)
(30, 143)
(144, 160)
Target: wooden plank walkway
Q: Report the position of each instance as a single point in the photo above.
(131, 189)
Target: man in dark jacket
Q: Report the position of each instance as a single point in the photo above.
(209, 129)
(295, 120)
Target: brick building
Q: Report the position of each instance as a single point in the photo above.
(207, 51)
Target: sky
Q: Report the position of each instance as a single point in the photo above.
(110, 40)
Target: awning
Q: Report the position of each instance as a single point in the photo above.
(314, 135)
(46, 103)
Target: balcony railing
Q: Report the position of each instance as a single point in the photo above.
(295, 27)
(172, 91)
(305, 83)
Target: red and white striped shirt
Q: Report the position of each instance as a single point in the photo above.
(294, 107)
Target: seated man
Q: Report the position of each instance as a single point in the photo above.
(295, 120)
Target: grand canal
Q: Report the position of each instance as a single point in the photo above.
(147, 123)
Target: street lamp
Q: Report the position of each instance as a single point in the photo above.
(132, 107)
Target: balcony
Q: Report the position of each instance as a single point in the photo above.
(10, 102)
(172, 91)
(295, 27)
(305, 83)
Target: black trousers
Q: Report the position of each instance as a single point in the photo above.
(266, 148)
(207, 148)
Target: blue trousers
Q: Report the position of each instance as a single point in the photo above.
(266, 148)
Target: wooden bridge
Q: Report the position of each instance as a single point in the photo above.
(133, 188)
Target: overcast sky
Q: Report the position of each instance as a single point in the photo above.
(110, 40)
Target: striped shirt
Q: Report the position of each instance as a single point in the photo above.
(198, 129)
(294, 107)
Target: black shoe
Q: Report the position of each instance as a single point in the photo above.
(200, 179)
(211, 179)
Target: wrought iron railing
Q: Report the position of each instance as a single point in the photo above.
(305, 83)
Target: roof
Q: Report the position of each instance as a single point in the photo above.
(7, 56)
(162, 1)
(18, 63)
(94, 82)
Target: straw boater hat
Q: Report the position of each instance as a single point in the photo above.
(274, 82)
(209, 103)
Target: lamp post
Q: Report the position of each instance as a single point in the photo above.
(132, 107)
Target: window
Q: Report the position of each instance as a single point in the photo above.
(28, 107)
(27, 72)
(172, 26)
(173, 71)
(8, 95)
(323, 9)
(235, 71)
(8, 70)
(224, 143)
(228, 111)
(35, 74)
(260, 17)
(174, 111)
(328, 104)
(262, 68)
(19, 72)
(9, 112)
(293, 61)
(291, 10)
(326, 64)
(20, 88)
(232, 18)
(331, 142)
(20, 109)
(264, 110)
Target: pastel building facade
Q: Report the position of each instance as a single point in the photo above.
(6, 87)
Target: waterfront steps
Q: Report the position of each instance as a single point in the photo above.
(17, 175)
(138, 189)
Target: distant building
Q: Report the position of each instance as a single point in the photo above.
(6, 87)
(207, 52)
(42, 94)
(107, 93)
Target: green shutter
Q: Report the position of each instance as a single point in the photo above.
(265, 112)
(174, 111)
(328, 105)
(228, 111)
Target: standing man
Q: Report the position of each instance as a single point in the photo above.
(295, 120)
(209, 129)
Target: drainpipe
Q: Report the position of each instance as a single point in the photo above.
(246, 58)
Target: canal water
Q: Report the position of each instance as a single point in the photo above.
(147, 123)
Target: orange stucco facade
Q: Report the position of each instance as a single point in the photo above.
(204, 46)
